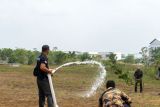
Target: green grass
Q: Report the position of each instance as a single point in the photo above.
(19, 89)
(22, 68)
(150, 97)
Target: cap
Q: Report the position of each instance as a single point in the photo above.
(45, 48)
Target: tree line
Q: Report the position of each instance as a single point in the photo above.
(23, 56)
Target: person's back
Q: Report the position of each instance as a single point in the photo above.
(138, 74)
(113, 97)
(158, 73)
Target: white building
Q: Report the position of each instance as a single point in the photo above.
(118, 55)
(105, 55)
(154, 44)
(93, 54)
(76, 52)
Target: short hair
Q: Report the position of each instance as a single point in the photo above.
(138, 70)
(45, 48)
(110, 83)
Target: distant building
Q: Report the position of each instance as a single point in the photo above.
(118, 55)
(93, 54)
(154, 44)
(3, 62)
(15, 65)
(76, 52)
(102, 55)
(105, 55)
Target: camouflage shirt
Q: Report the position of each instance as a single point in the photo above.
(114, 96)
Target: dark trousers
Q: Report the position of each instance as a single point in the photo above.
(44, 92)
(141, 85)
(126, 105)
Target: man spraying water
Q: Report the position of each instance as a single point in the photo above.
(41, 71)
(44, 79)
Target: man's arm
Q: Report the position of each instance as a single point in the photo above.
(101, 99)
(100, 102)
(45, 69)
(126, 98)
(135, 73)
(142, 74)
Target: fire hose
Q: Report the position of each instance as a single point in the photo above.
(52, 90)
(98, 82)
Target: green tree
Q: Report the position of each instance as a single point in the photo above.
(51, 57)
(71, 56)
(21, 56)
(0, 54)
(113, 63)
(31, 57)
(59, 57)
(129, 59)
(36, 52)
(85, 56)
(12, 58)
(97, 58)
(113, 58)
(5, 53)
(155, 56)
(138, 60)
(145, 57)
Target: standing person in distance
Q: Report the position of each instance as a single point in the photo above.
(138, 75)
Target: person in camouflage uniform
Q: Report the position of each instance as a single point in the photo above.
(113, 97)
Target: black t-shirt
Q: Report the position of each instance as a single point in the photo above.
(42, 59)
(138, 74)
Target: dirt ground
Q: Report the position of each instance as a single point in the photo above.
(18, 88)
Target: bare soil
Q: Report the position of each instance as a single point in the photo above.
(18, 88)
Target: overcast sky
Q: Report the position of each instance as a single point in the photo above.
(82, 25)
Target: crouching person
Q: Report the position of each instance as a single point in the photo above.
(113, 97)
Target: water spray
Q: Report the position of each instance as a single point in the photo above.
(95, 85)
